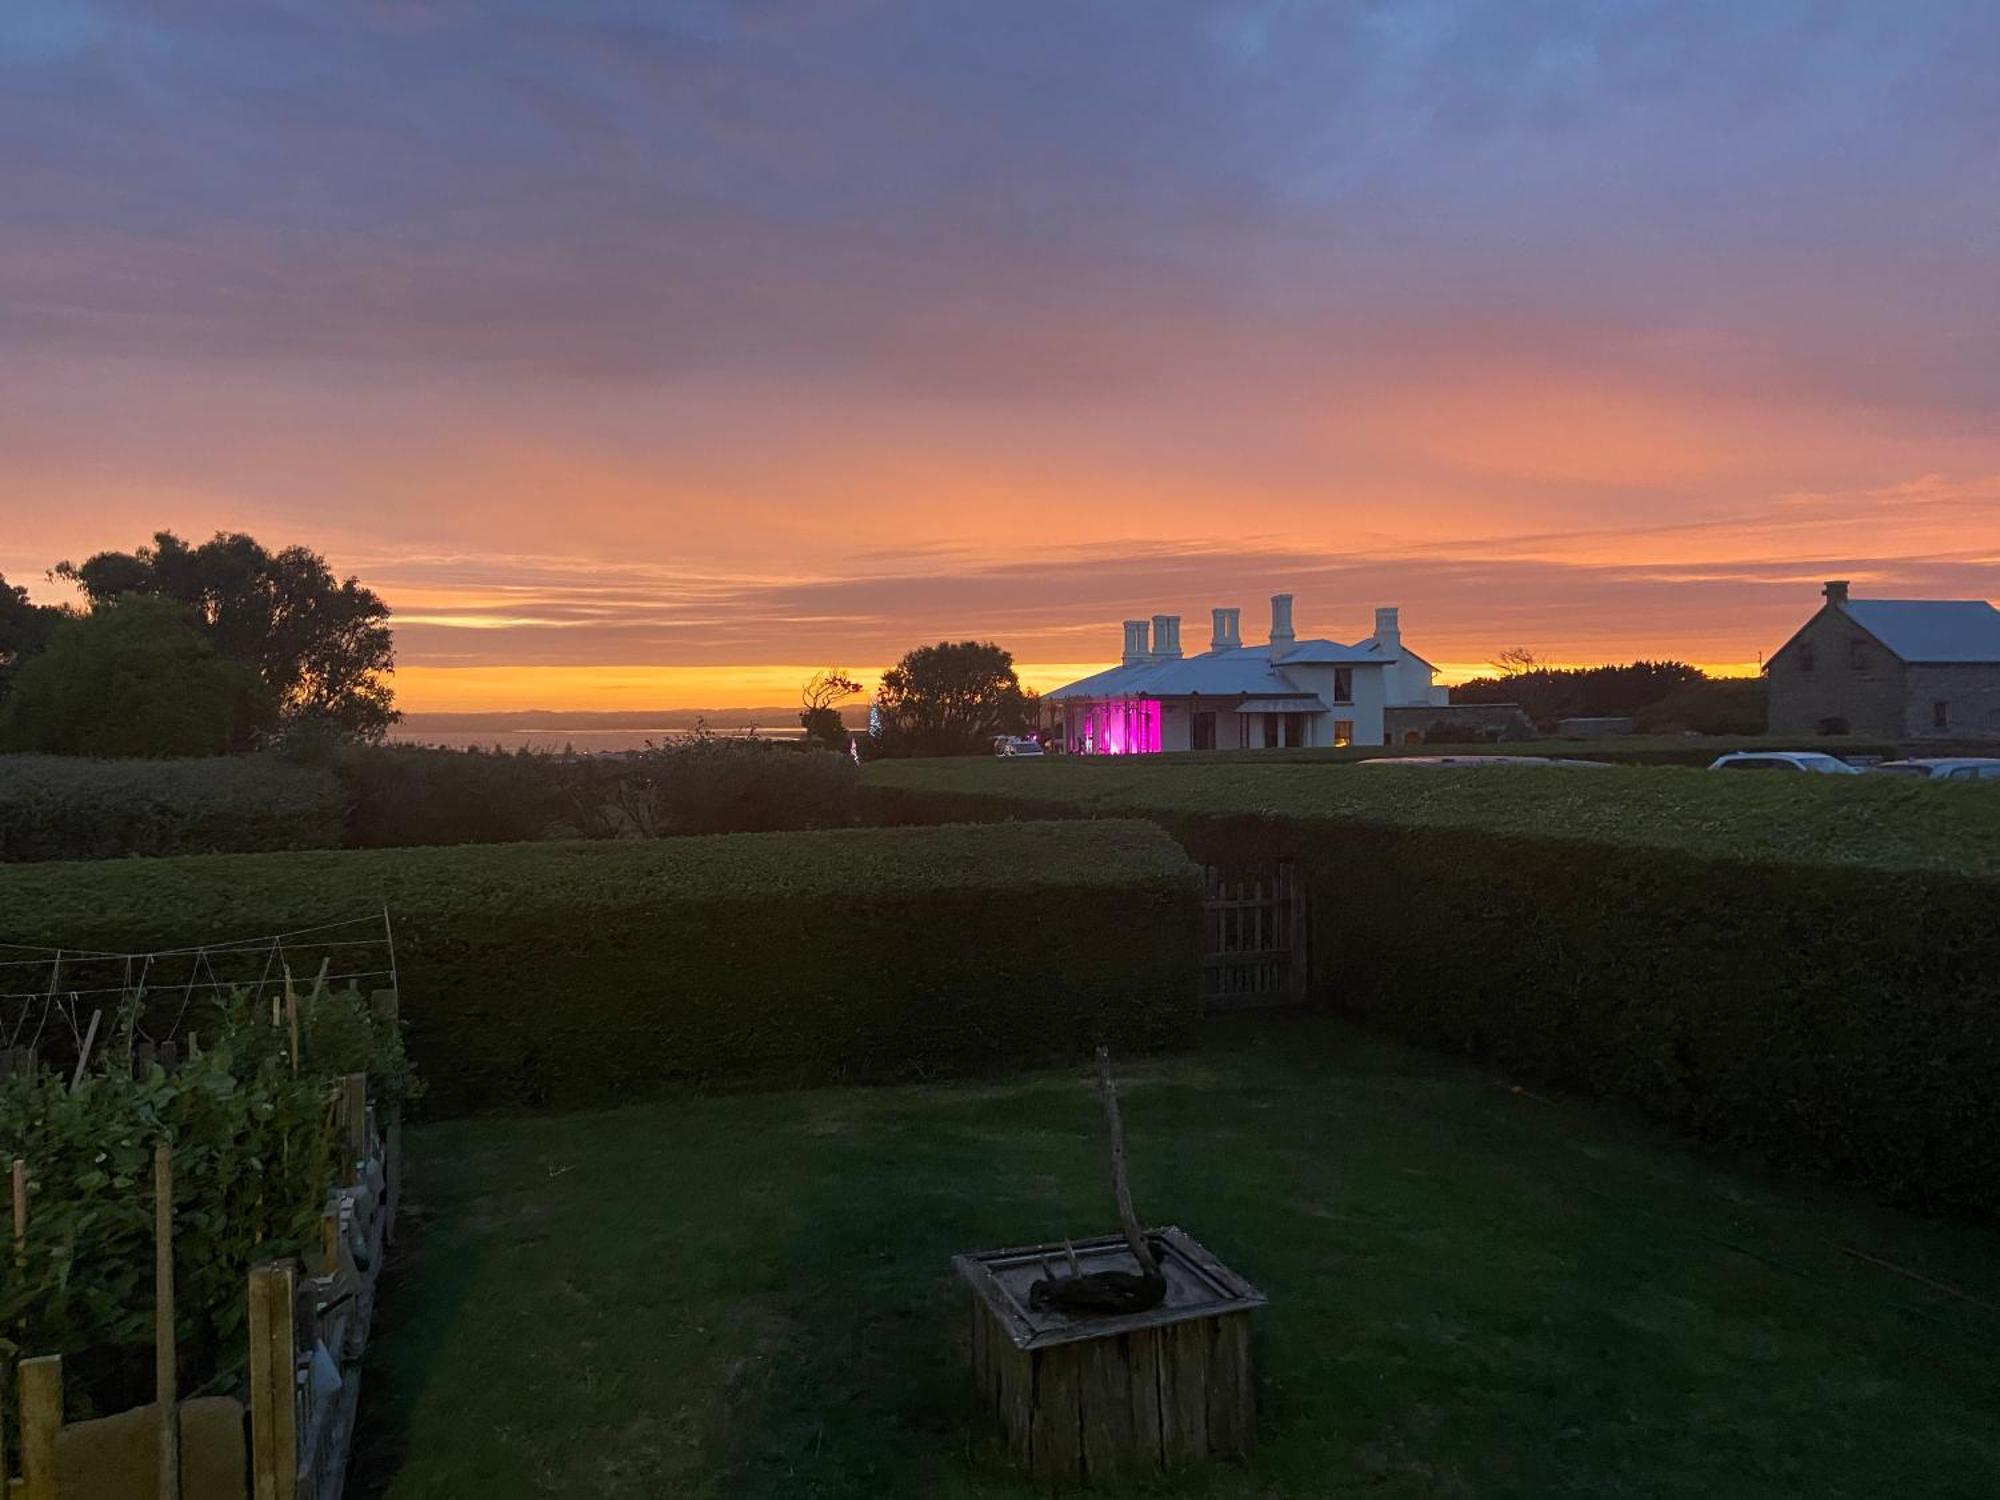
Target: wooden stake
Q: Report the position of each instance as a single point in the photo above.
(1121, 1189)
(41, 1421)
(83, 1055)
(274, 1440)
(292, 1016)
(166, 1389)
(20, 1216)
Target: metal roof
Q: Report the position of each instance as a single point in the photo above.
(1931, 630)
(1246, 670)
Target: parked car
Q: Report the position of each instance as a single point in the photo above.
(1944, 768)
(1015, 746)
(1784, 760)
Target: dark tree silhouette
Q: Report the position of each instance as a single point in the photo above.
(134, 677)
(24, 629)
(1548, 694)
(320, 644)
(951, 699)
(818, 711)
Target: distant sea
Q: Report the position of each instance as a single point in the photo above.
(581, 738)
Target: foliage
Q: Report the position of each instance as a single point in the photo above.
(254, 1153)
(819, 714)
(569, 973)
(66, 807)
(1474, 1292)
(24, 629)
(134, 678)
(1803, 968)
(401, 795)
(951, 699)
(320, 644)
(1549, 694)
(1710, 705)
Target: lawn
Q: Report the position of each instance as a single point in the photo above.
(1474, 1291)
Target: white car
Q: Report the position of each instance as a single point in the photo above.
(1014, 746)
(1945, 768)
(1785, 760)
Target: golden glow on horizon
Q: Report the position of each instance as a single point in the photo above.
(495, 689)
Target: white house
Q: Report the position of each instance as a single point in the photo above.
(1237, 697)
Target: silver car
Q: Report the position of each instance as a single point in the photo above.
(1959, 768)
(1785, 760)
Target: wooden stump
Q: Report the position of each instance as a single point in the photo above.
(1073, 1399)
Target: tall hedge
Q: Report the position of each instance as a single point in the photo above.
(566, 974)
(68, 807)
(1808, 969)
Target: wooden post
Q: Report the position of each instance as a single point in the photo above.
(41, 1421)
(166, 1383)
(292, 1017)
(274, 1433)
(20, 1212)
(83, 1053)
(385, 1005)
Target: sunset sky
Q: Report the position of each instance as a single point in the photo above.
(653, 354)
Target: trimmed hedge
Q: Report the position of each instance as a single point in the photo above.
(1805, 967)
(67, 807)
(569, 974)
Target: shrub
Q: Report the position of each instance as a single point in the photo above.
(571, 973)
(1802, 968)
(66, 807)
(403, 795)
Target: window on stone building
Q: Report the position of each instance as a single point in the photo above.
(1941, 714)
(1807, 657)
(1857, 656)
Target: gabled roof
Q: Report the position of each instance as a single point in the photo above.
(1931, 630)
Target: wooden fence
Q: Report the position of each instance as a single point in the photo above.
(308, 1328)
(1255, 938)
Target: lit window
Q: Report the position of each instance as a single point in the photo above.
(1343, 731)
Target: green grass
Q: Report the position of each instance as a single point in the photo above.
(1474, 1291)
(1879, 822)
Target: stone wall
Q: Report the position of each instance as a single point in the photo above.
(1833, 671)
(1970, 693)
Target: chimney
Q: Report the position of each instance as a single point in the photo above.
(1166, 637)
(1388, 632)
(1227, 634)
(1836, 591)
(1135, 642)
(1281, 622)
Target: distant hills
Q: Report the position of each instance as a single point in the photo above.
(554, 721)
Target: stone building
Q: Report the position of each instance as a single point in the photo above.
(1895, 669)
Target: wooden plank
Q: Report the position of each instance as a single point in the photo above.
(1105, 1410)
(166, 1390)
(1056, 1445)
(1142, 1356)
(1014, 1386)
(274, 1440)
(1228, 1354)
(1184, 1391)
(41, 1425)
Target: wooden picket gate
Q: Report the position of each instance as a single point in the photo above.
(1255, 938)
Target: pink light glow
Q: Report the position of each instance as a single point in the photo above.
(1123, 728)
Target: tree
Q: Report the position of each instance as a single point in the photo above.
(1550, 694)
(134, 677)
(950, 699)
(24, 629)
(319, 644)
(818, 714)
(1516, 660)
